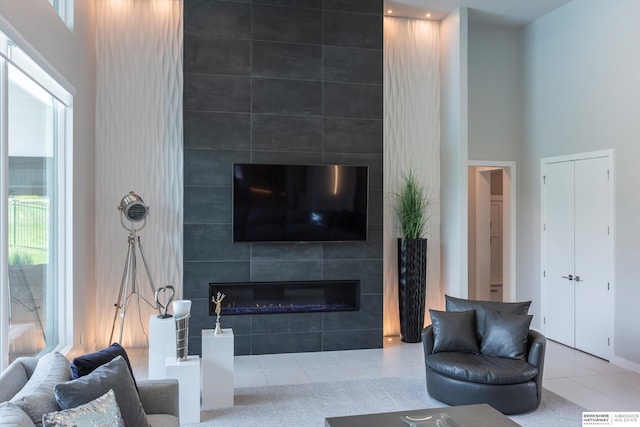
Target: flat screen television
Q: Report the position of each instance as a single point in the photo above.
(299, 203)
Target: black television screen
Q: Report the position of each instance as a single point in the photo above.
(299, 203)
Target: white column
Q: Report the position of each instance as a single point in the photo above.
(162, 344)
(217, 369)
(188, 375)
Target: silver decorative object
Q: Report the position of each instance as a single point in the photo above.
(217, 300)
(163, 290)
(182, 312)
(182, 339)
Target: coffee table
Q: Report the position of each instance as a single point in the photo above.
(464, 416)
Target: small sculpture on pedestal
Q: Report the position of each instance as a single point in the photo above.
(217, 300)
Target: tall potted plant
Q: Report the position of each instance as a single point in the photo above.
(412, 210)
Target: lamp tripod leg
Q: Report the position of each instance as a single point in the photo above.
(129, 277)
(122, 294)
(146, 268)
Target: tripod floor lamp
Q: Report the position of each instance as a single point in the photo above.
(134, 210)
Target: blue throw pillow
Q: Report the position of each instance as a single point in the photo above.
(84, 365)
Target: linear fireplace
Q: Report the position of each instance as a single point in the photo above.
(286, 297)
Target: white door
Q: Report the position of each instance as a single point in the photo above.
(593, 255)
(558, 230)
(578, 253)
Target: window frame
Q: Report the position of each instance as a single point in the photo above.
(64, 8)
(28, 61)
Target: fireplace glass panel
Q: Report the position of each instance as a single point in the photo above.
(286, 297)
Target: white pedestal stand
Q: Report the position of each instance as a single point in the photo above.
(188, 375)
(162, 344)
(217, 369)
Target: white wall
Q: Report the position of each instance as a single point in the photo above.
(72, 54)
(581, 84)
(139, 148)
(453, 152)
(411, 142)
(494, 93)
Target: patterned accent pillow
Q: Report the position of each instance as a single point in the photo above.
(103, 412)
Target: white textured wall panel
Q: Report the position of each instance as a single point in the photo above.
(411, 141)
(139, 148)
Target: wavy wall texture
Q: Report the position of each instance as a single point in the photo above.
(138, 147)
(411, 141)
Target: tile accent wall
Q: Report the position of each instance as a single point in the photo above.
(281, 81)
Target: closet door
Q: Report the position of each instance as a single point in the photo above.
(558, 227)
(577, 253)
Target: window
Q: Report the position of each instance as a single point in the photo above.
(34, 114)
(65, 10)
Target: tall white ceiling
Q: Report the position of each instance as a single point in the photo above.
(513, 13)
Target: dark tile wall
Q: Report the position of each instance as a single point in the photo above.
(281, 81)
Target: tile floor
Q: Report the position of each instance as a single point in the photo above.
(586, 380)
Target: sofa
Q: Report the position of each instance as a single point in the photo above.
(40, 392)
(484, 352)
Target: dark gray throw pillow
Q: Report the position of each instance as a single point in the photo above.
(112, 375)
(505, 334)
(459, 304)
(454, 331)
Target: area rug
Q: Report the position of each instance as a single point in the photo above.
(309, 404)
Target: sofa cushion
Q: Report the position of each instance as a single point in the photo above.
(102, 411)
(458, 304)
(163, 420)
(12, 379)
(87, 363)
(505, 334)
(454, 331)
(481, 368)
(112, 375)
(12, 416)
(37, 396)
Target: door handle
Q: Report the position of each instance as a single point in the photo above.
(570, 277)
(578, 279)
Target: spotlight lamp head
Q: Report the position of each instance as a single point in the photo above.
(133, 208)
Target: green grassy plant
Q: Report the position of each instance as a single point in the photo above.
(20, 258)
(412, 208)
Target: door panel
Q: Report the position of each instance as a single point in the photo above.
(496, 243)
(483, 229)
(559, 239)
(593, 246)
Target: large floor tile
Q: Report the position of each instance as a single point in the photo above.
(287, 376)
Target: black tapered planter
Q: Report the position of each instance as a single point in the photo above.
(412, 283)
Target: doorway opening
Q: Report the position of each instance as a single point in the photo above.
(492, 231)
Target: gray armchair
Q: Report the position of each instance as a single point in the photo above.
(509, 385)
